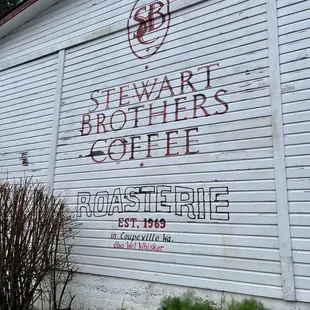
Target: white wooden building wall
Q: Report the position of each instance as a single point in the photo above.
(294, 40)
(26, 116)
(64, 22)
(239, 255)
(236, 153)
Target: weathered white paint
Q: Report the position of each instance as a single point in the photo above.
(74, 14)
(21, 16)
(294, 58)
(285, 247)
(245, 130)
(26, 116)
(242, 150)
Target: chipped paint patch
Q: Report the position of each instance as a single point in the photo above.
(24, 159)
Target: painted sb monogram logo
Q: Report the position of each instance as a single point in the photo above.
(148, 26)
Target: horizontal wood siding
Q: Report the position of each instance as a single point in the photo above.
(230, 138)
(26, 115)
(165, 146)
(65, 20)
(294, 36)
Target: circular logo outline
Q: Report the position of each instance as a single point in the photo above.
(163, 39)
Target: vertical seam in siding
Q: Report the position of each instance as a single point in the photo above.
(284, 235)
(56, 116)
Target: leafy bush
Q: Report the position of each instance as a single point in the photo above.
(189, 302)
(246, 304)
(186, 302)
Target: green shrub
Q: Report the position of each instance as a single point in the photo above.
(246, 304)
(186, 302)
(189, 302)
